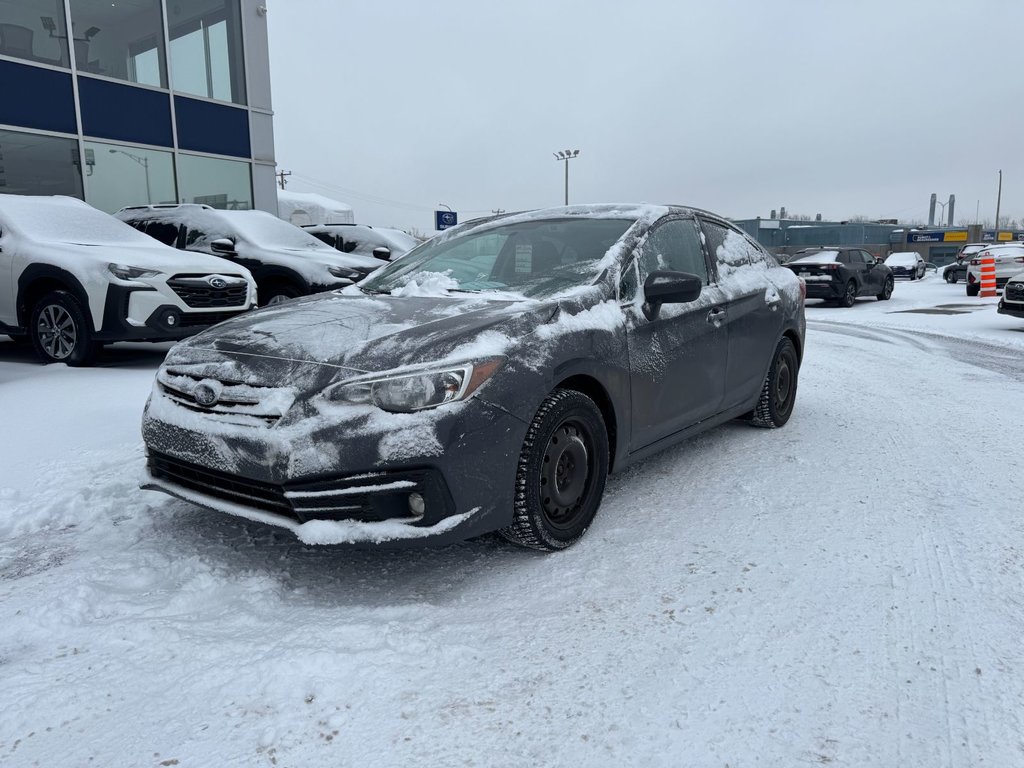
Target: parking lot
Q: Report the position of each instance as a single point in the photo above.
(844, 591)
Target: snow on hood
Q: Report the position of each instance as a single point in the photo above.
(903, 258)
(428, 284)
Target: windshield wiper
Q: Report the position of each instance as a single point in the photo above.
(372, 291)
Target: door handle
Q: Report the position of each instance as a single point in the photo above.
(716, 316)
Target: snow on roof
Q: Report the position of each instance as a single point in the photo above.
(60, 219)
(310, 208)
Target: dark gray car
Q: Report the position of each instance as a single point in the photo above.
(489, 381)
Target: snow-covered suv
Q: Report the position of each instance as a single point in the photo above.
(285, 260)
(73, 278)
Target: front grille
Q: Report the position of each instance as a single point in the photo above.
(196, 291)
(245, 491)
(253, 403)
(1014, 292)
(370, 497)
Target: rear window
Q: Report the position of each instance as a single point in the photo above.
(818, 257)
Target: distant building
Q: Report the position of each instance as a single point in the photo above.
(148, 101)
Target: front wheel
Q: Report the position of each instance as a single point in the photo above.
(60, 332)
(563, 465)
(887, 287)
(277, 293)
(778, 393)
(950, 276)
(849, 295)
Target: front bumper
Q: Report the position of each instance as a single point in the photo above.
(133, 313)
(334, 482)
(1013, 308)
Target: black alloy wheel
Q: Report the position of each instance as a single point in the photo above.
(277, 293)
(887, 287)
(562, 470)
(849, 295)
(60, 332)
(778, 394)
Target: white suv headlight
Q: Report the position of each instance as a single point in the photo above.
(417, 389)
(124, 272)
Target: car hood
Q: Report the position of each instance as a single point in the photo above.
(327, 256)
(156, 256)
(357, 333)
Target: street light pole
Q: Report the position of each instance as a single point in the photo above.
(565, 155)
(144, 162)
(999, 199)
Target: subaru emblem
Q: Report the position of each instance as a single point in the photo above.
(207, 392)
(218, 282)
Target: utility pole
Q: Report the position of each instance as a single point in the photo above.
(281, 177)
(999, 199)
(565, 155)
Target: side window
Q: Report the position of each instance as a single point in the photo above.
(194, 236)
(674, 245)
(730, 249)
(163, 231)
(629, 284)
(867, 258)
(325, 237)
(843, 257)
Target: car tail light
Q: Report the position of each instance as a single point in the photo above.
(971, 278)
(975, 262)
(803, 289)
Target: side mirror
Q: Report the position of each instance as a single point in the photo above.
(382, 252)
(223, 245)
(667, 287)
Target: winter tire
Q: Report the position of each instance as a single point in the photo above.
(887, 287)
(60, 332)
(849, 295)
(778, 394)
(562, 470)
(276, 293)
(973, 290)
(950, 276)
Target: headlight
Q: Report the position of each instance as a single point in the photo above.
(416, 390)
(344, 273)
(124, 272)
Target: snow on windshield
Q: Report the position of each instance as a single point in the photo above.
(66, 220)
(263, 229)
(818, 257)
(903, 257)
(531, 257)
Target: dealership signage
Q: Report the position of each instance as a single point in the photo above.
(937, 236)
(1004, 236)
(445, 219)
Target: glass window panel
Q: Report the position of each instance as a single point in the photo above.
(215, 182)
(122, 40)
(123, 175)
(206, 49)
(32, 164)
(34, 30)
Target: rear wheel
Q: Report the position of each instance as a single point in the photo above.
(778, 394)
(60, 332)
(950, 276)
(973, 290)
(849, 295)
(563, 465)
(887, 287)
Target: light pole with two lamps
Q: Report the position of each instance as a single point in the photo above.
(565, 155)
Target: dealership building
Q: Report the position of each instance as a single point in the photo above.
(130, 102)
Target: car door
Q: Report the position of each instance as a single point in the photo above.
(677, 359)
(752, 309)
(8, 314)
(873, 271)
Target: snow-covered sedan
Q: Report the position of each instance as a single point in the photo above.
(489, 380)
(1012, 302)
(73, 278)
(906, 264)
(381, 243)
(286, 261)
(1008, 258)
(842, 274)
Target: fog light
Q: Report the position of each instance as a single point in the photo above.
(417, 505)
(171, 319)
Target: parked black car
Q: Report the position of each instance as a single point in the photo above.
(489, 380)
(842, 274)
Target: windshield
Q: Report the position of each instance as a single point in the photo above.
(65, 220)
(530, 258)
(267, 231)
(901, 258)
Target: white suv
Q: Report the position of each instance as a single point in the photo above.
(73, 278)
(1012, 302)
(1009, 260)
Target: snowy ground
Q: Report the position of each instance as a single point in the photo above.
(845, 591)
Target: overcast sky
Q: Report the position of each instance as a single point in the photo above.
(737, 106)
